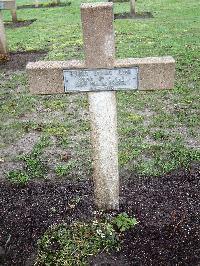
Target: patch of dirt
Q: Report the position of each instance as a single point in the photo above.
(19, 60)
(44, 5)
(119, 1)
(7, 166)
(8, 155)
(54, 155)
(22, 146)
(167, 208)
(19, 24)
(125, 15)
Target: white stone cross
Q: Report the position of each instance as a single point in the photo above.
(100, 75)
(10, 5)
(3, 44)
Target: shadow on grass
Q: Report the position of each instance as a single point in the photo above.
(44, 5)
(143, 15)
(18, 60)
(19, 24)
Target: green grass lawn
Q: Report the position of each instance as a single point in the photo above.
(48, 136)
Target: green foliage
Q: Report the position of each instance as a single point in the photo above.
(57, 130)
(33, 168)
(160, 135)
(72, 245)
(18, 177)
(124, 222)
(62, 170)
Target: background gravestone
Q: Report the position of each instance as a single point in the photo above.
(10, 5)
(3, 44)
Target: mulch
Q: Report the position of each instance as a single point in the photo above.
(18, 24)
(125, 15)
(18, 61)
(48, 5)
(167, 208)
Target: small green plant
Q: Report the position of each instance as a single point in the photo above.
(160, 135)
(18, 177)
(62, 170)
(124, 222)
(33, 165)
(72, 245)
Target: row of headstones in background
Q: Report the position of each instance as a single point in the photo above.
(9, 5)
(100, 75)
(132, 6)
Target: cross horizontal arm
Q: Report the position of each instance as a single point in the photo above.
(7, 4)
(154, 73)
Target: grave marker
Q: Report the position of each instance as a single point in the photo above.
(3, 45)
(36, 3)
(100, 75)
(10, 5)
(132, 7)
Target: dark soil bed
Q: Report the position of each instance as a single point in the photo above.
(19, 24)
(143, 15)
(167, 208)
(44, 5)
(18, 60)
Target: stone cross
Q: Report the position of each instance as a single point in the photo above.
(3, 44)
(100, 75)
(10, 5)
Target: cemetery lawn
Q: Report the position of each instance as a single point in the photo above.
(45, 150)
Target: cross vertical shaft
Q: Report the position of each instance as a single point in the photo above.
(99, 46)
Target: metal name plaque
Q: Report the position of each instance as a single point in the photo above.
(101, 79)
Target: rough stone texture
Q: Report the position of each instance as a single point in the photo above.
(99, 46)
(47, 77)
(103, 116)
(97, 24)
(9, 4)
(154, 73)
(3, 45)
